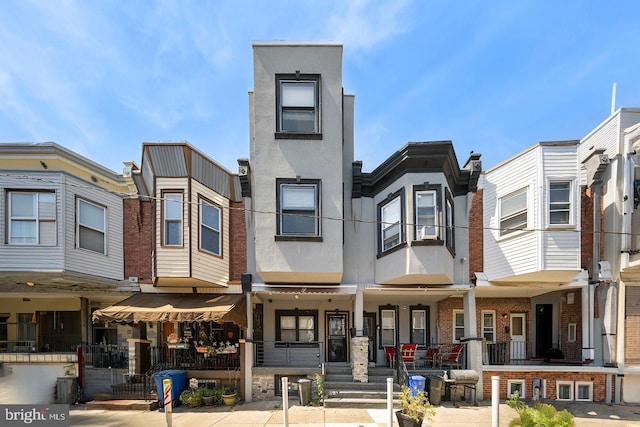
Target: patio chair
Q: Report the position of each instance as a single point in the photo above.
(390, 355)
(408, 352)
(452, 358)
(430, 358)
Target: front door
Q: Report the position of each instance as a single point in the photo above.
(336, 331)
(369, 327)
(518, 336)
(544, 326)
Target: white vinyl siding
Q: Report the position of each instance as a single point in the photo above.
(207, 266)
(513, 212)
(172, 261)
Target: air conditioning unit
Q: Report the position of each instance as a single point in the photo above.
(426, 234)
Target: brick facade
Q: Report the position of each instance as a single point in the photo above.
(238, 241)
(476, 239)
(138, 239)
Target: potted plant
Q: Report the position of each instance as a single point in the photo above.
(230, 392)
(211, 396)
(191, 397)
(414, 408)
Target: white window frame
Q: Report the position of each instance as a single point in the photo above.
(588, 384)
(559, 206)
(312, 212)
(571, 332)
(457, 327)
(561, 384)
(520, 211)
(391, 224)
(171, 199)
(384, 326)
(38, 218)
(423, 328)
(91, 227)
(523, 387)
(297, 104)
(427, 225)
(493, 328)
(211, 228)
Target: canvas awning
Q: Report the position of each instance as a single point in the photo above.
(176, 308)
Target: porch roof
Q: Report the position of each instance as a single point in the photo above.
(176, 308)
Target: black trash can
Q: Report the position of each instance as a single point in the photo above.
(304, 391)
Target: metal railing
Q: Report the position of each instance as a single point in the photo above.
(283, 353)
(508, 353)
(190, 359)
(105, 356)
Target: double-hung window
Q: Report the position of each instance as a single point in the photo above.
(458, 325)
(489, 326)
(559, 202)
(297, 325)
(298, 208)
(209, 227)
(92, 226)
(32, 218)
(419, 324)
(427, 214)
(388, 327)
(173, 210)
(390, 214)
(513, 212)
(298, 99)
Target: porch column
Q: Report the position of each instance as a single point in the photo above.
(246, 348)
(474, 344)
(588, 351)
(358, 318)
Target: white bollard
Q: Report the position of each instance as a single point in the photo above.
(166, 398)
(495, 401)
(285, 401)
(390, 402)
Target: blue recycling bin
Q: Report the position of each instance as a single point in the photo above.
(178, 384)
(416, 384)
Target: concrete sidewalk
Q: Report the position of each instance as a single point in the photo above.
(269, 414)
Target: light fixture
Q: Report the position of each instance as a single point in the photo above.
(30, 284)
(296, 297)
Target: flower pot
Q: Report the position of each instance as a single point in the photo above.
(229, 399)
(407, 421)
(207, 400)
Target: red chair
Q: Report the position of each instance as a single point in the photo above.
(451, 358)
(408, 352)
(431, 357)
(390, 356)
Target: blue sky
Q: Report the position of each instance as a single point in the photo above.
(495, 77)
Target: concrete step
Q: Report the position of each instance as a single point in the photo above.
(336, 378)
(348, 402)
(123, 405)
(361, 394)
(354, 386)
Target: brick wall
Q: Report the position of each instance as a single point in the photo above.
(238, 241)
(138, 239)
(476, 246)
(571, 313)
(598, 380)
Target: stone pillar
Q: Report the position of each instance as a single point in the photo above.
(360, 359)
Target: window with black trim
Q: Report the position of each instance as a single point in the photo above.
(419, 324)
(32, 218)
(298, 207)
(388, 321)
(299, 326)
(390, 214)
(298, 103)
(91, 226)
(172, 218)
(449, 221)
(513, 212)
(210, 219)
(559, 202)
(428, 208)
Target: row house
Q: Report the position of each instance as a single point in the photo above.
(61, 257)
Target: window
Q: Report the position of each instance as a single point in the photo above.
(209, 227)
(91, 226)
(426, 215)
(419, 324)
(390, 213)
(298, 208)
(449, 228)
(560, 203)
(458, 325)
(489, 326)
(518, 386)
(571, 333)
(564, 390)
(173, 219)
(584, 391)
(297, 325)
(298, 103)
(513, 212)
(32, 218)
(388, 327)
